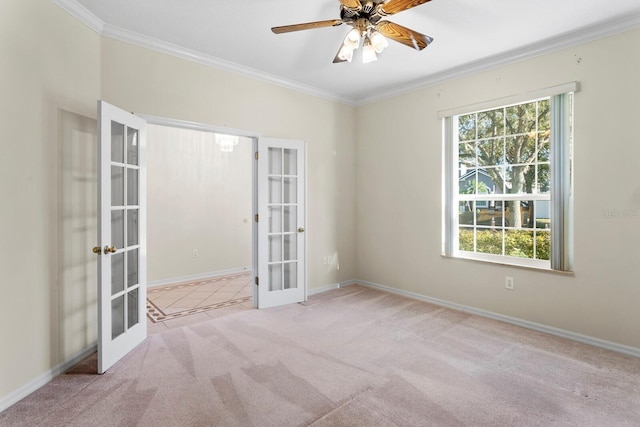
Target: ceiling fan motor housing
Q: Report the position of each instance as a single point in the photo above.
(368, 10)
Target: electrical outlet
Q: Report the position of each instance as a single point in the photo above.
(508, 283)
(195, 253)
(325, 261)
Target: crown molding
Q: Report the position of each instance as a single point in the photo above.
(567, 40)
(141, 40)
(81, 13)
(107, 30)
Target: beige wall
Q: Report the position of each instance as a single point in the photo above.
(50, 76)
(399, 181)
(53, 69)
(198, 197)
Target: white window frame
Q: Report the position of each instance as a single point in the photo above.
(561, 191)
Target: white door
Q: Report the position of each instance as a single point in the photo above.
(122, 288)
(281, 222)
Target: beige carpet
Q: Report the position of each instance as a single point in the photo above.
(349, 357)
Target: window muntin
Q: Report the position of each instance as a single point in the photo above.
(500, 161)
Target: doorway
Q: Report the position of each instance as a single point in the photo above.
(199, 225)
(278, 231)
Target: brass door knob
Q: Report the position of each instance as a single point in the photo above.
(110, 249)
(301, 230)
(96, 250)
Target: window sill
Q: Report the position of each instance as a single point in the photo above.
(569, 273)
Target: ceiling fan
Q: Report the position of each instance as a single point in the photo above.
(365, 16)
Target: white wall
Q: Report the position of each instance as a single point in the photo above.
(198, 197)
(399, 182)
(50, 74)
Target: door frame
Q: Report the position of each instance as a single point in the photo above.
(184, 124)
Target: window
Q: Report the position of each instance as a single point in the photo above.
(508, 182)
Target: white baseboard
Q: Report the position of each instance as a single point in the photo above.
(36, 383)
(198, 276)
(584, 339)
(347, 283)
(322, 289)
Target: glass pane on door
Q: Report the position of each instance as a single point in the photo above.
(117, 228)
(290, 252)
(275, 161)
(290, 161)
(117, 142)
(275, 219)
(132, 308)
(275, 189)
(117, 317)
(132, 227)
(275, 248)
(290, 190)
(275, 277)
(117, 186)
(290, 219)
(132, 146)
(132, 268)
(132, 187)
(117, 273)
(290, 275)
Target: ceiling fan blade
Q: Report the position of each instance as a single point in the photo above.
(351, 4)
(403, 35)
(307, 26)
(395, 6)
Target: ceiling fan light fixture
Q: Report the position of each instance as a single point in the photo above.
(354, 36)
(378, 41)
(227, 142)
(352, 44)
(346, 53)
(368, 52)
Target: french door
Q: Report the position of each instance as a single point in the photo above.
(122, 229)
(281, 214)
(122, 291)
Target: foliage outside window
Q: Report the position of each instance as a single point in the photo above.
(504, 202)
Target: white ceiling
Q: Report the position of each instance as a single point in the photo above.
(469, 35)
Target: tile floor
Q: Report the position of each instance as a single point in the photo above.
(189, 302)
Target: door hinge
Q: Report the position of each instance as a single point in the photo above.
(257, 217)
(256, 155)
(257, 281)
